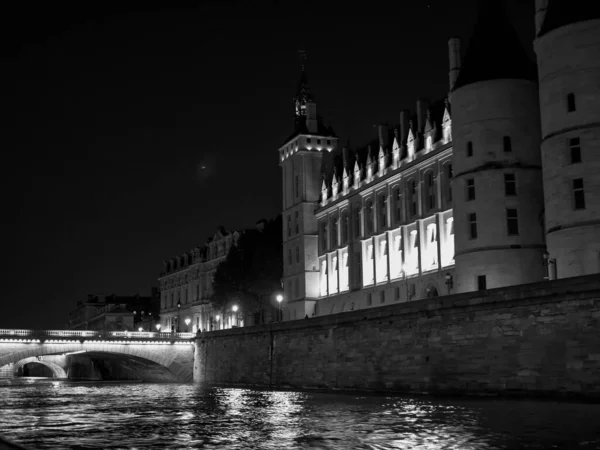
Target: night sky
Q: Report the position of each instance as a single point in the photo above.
(110, 113)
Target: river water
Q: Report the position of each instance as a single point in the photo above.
(65, 415)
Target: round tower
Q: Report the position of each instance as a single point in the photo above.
(567, 47)
(498, 201)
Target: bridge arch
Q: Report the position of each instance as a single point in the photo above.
(57, 371)
(177, 357)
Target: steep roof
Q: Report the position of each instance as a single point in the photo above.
(565, 12)
(494, 51)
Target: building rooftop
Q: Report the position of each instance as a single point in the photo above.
(494, 50)
(562, 12)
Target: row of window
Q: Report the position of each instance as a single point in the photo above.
(375, 213)
(296, 226)
(510, 186)
(506, 145)
(512, 223)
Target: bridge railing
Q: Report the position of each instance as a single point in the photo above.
(95, 334)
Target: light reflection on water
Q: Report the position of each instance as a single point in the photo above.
(62, 415)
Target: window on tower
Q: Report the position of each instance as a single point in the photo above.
(507, 144)
(289, 226)
(571, 107)
(297, 253)
(512, 222)
(296, 187)
(510, 184)
(472, 221)
(297, 223)
(470, 183)
(578, 194)
(575, 150)
(323, 236)
(469, 149)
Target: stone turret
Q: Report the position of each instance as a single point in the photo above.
(568, 54)
(496, 160)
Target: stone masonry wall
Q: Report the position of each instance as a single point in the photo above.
(535, 339)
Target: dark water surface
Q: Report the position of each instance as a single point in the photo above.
(66, 415)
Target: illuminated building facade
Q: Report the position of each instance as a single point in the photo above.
(467, 193)
(186, 285)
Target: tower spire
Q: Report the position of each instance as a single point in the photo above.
(303, 94)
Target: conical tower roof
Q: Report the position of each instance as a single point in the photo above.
(494, 51)
(562, 12)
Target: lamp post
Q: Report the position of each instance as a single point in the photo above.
(178, 314)
(449, 282)
(234, 308)
(279, 299)
(187, 324)
(217, 317)
(551, 265)
(158, 327)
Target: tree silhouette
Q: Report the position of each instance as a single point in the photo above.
(251, 273)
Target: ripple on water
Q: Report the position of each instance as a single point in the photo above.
(67, 415)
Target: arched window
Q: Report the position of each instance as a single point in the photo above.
(429, 190)
(397, 204)
(369, 216)
(412, 197)
(323, 236)
(446, 186)
(382, 210)
(344, 224)
(334, 231)
(356, 220)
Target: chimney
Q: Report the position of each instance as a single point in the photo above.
(540, 14)
(422, 106)
(404, 117)
(454, 57)
(311, 117)
(383, 132)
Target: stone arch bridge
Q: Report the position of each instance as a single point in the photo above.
(171, 353)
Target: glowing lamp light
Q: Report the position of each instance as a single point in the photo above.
(235, 308)
(140, 329)
(158, 327)
(217, 317)
(279, 298)
(187, 321)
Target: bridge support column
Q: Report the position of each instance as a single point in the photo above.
(200, 361)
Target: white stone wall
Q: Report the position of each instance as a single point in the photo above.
(569, 63)
(484, 113)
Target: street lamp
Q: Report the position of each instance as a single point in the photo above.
(178, 314)
(449, 281)
(279, 299)
(217, 317)
(158, 327)
(235, 309)
(187, 323)
(140, 329)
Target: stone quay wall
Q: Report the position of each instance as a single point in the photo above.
(540, 339)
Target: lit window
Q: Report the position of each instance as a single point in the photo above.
(578, 194)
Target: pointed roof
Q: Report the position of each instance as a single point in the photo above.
(303, 92)
(565, 12)
(494, 51)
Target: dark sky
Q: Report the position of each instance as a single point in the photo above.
(109, 111)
